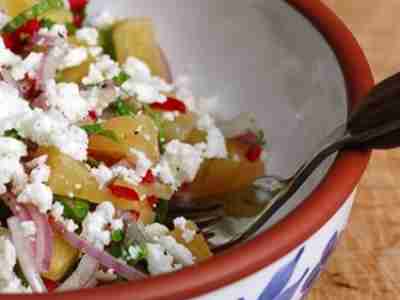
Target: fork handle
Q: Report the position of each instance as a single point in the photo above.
(375, 123)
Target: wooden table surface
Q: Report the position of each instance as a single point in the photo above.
(366, 265)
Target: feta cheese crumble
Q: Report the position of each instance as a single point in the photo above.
(29, 66)
(95, 227)
(66, 98)
(143, 86)
(9, 281)
(103, 69)
(88, 35)
(51, 128)
(11, 170)
(179, 163)
(187, 233)
(103, 175)
(37, 194)
(74, 57)
(216, 146)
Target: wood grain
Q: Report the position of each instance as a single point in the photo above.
(366, 265)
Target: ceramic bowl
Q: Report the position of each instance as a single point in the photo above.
(301, 71)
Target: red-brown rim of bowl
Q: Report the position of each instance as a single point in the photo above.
(288, 234)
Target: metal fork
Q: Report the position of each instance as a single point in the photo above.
(375, 124)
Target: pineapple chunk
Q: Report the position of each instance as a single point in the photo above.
(136, 37)
(15, 7)
(221, 176)
(198, 246)
(139, 133)
(64, 257)
(181, 128)
(60, 16)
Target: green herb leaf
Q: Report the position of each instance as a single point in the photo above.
(122, 108)
(116, 250)
(74, 208)
(71, 28)
(34, 12)
(12, 133)
(156, 116)
(117, 235)
(47, 23)
(98, 129)
(161, 211)
(107, 42)
(261, 138)
(121, 78)
(92, 162)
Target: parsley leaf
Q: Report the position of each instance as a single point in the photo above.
(161, 211)
(74, 208)
(12, 133)
(71, 28)
(122, 108)
(107, 42)
(261, 138)
(98, 129)
(47, 23)
(156, 116)
(121, 78)
(117, 235)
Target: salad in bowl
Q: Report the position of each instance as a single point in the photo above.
(96, 141)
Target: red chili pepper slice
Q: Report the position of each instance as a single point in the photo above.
(10, 40)
(50, 284)
(78, 20)
(152, 200)
(149, 178)
(28, 29)
(135, 215)
(93, 115)
(254, 153)
(124, 192)
(78, 5)
(171, 104)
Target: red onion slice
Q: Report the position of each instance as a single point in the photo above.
(44, 239)
(25, 257)
(82, 276)
(103, 257)
(92, 283)
(18, 210)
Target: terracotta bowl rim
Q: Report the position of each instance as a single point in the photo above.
(289, 233)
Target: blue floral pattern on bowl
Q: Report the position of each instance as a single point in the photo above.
(278, 289)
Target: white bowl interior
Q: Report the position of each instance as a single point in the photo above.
(257, 56)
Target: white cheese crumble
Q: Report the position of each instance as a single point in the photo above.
(29, 66)
(56, 31)
(28, 228)
(216, 146)
(9, 282)
(179, 163)
(7, 57)
(74, 57)
(104, 19)
(158, 260)
(51, 128)
(103, 69)
(187, 234)
(57, 212)
(12, 107)
(143, 86)
(95, 227)
(4, 19)
(11, 170)
(170, 115)
(37, 194)
(40, 174)
(103, 175)
(179, 252)
(88, 35)
(66, 98)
